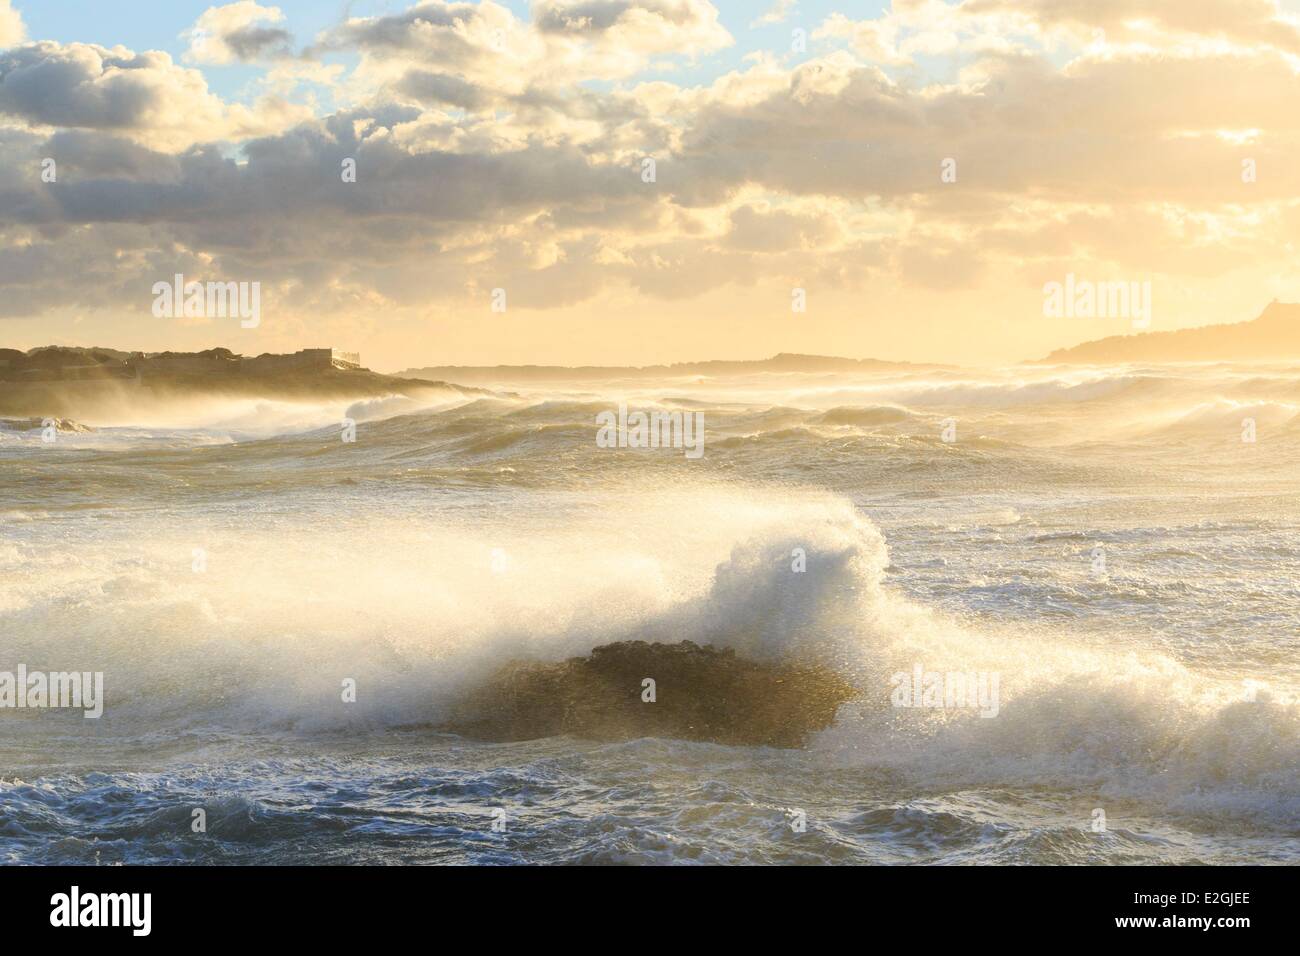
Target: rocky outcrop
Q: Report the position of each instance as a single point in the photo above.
(701, 693)
(108, 385)
(27, 424)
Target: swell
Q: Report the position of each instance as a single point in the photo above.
(995, 411)
(415, 612)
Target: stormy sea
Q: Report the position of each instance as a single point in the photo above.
(287, 617)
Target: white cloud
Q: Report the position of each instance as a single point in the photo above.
(777, 13)
(476, 53)
(142, 95)
(485, 159)
(11, 25)
(237, 31)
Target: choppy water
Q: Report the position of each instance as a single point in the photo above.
(1158, 685)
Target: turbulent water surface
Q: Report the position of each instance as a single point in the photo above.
(1104, 542)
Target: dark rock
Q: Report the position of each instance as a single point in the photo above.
(28, 424)
(701, 694)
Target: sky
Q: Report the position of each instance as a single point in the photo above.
(914, 173)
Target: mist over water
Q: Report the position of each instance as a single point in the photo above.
(457, 534)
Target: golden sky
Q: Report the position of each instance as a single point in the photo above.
(502, 146)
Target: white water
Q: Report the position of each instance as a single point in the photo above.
(446, 542)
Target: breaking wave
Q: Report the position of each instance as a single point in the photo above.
(415, 612)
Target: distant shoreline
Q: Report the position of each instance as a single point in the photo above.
(85, 384)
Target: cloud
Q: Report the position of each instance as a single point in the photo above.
(1248, 22)
(12, 31)
(756, 229)
(237, 32)
(146, 95)
(486, 158)
(779, 10)
(425, 86)
(686, 20)
(485, 45)
(446, 206)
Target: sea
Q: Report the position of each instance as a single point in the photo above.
(285, 599)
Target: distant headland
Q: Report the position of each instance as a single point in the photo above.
(1273, 336)
(56, 363)
(784, 362)
(80, 383)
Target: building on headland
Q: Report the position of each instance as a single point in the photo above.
(318, 359)
(209, 362)
(343, 359)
